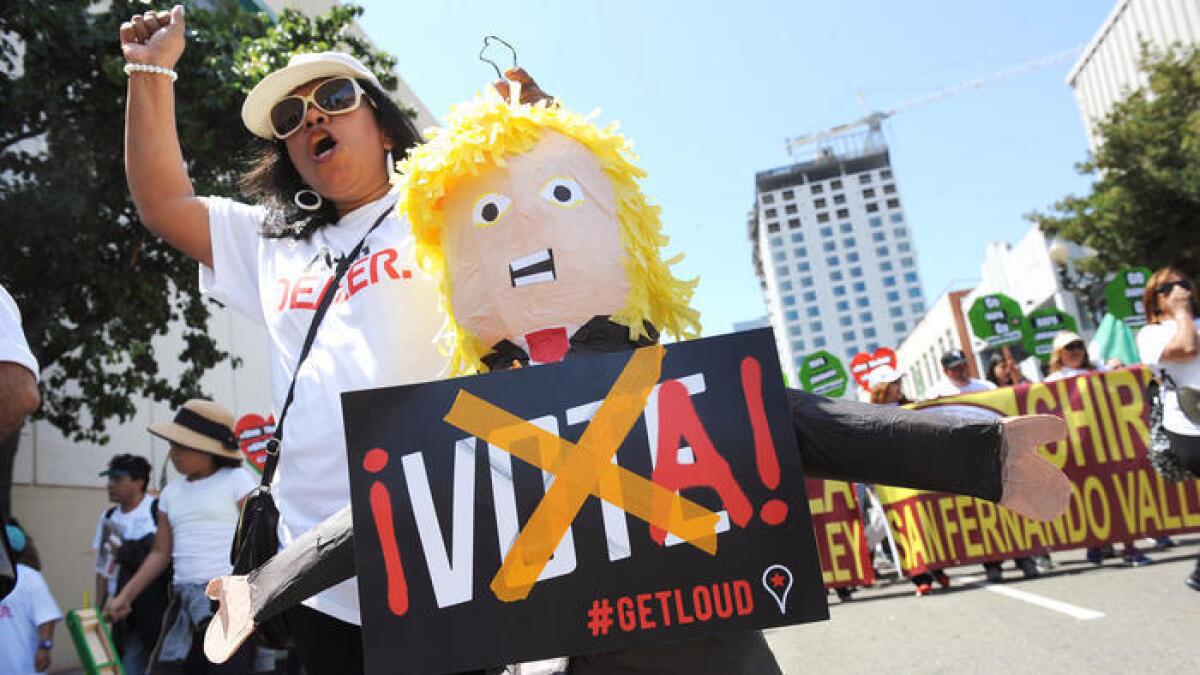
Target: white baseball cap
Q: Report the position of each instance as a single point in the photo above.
(881, 375)
(1064, 338)
(301, 68)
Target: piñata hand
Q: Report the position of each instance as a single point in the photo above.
(1032, 486)
(233, 622)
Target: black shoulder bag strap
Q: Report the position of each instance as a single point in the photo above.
(268, 473)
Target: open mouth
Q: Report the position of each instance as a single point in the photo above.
(535, 268)
(321, 145)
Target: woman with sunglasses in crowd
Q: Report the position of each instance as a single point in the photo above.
(1069, 358)
(1169, 343)
(329, 138)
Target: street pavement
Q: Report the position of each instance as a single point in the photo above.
(1075, 618)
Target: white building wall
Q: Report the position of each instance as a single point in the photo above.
(1108, 68)
(919, 356)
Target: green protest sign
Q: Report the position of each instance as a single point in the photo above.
(996, 319)
(1040, 327)
(823, 373)
(1124, 295)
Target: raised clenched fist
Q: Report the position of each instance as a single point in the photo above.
(154, 38)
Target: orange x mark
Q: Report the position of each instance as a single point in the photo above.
(582, 469)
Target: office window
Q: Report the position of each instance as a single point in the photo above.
(881, 251)
(848, 242)
(818, 342)
(829, 247)
(839, 199)
(878, 236)
(826, 231)
(781, 271)
(871, 347)
(842, 306)
(910, 277)
(893, 296)
(893, 203)
(889, 281)
(889, 189)
(785, 285)
(885, 174)
(772, 226)
(856, 271)
(918, 307)
(864, 178)
(914, 292)
(797, 237)
(815, 326)
(835, 275)
(791, 315)
(843, 213)
(800, 251)
(788, 194)
(875, 221)
(768, 198)
(810, 296)
(793, 330)
(845, 321)
(869, 332)
(899, 232)
(872, 207)
(895, 312)
(812, 311)
(793, 223)
(885, 266)
(866, 317)
(851, 351)
(859, 287)
(820, 203)
(776, 242)
(771, 213)
(846, 228)
(790, 209)
(816, 188)
(848, 335)
(897, 217)
(822, 217)
(852, 257)
(903, 247)
(862, 301)
(839, 291)
(832, 261)
(906, 262)
(803, 267)
(835, 184)
(806, 282)
(798, 345)
(789, 301)
(900, 326)
(869, 193)
(779, 256)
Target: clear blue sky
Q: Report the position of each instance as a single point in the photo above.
(709, 90)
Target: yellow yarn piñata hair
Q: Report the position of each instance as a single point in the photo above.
(479, 134)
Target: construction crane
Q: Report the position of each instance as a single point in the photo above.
(874, 121)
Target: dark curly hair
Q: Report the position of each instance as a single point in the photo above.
(273, 181)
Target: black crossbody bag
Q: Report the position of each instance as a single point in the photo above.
(257, 537)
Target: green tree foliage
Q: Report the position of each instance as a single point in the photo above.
(1144, 207)
(95, 288)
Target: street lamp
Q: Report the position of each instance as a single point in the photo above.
(1080, 285)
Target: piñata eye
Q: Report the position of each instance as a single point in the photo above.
(562, 191)
(490, 208)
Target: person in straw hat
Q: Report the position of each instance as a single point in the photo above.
(197, 517)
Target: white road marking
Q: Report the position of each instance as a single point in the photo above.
(1073, 611)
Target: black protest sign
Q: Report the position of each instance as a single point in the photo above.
(656, 495)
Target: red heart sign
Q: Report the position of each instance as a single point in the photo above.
(863, 363)
(252, 433)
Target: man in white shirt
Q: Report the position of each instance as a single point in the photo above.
(958, 377)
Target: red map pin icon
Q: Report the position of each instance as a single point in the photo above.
(777, 579)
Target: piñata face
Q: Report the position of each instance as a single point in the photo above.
(534, 244)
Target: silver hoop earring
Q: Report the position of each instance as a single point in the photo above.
(308, 200)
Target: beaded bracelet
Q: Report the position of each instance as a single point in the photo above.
(131, 68)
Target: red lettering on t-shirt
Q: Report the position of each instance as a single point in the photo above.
(358, 278)
(384, 259)
(304, 293)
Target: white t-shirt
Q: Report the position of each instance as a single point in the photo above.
(1151, 341)
(13, 346)
(28, 606)
(1064, 372)
(116, 529)
(380, 331)
(204, 515)
(948, 388)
